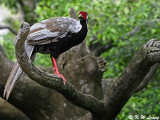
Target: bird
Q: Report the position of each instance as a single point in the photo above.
(52, 36)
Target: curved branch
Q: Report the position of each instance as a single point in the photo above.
(147, 78)
(53, 81)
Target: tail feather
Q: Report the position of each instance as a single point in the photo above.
(12, 80)
(17, 72)
(11, 77)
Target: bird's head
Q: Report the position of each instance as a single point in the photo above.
(83, 16)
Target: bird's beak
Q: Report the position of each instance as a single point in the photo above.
(80, 15)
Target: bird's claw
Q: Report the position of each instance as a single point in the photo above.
(61, 76)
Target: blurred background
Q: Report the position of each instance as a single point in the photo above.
(117, 29)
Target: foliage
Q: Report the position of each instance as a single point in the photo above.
(126, 17)
(8, 45)
(144, 103)
(109, 20)
(8, 40)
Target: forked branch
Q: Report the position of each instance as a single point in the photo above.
(125, 85)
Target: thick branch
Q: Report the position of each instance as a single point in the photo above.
(107, 83)
(52, 81)
(126, 84)
(9, 28)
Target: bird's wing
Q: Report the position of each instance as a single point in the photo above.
(50, 30)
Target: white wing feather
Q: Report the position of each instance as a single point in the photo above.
(69, 24)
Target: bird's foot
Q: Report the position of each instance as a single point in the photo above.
(55, 69)
(61, 76)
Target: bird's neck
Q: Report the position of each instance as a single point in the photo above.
(83, 22)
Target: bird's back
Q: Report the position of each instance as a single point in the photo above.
(48, 30)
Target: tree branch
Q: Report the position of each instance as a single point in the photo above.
(27, 10)
(147, 78)
(2, 52)
(133, 31)
(53, 81)
(9, 28)
(126, 84)
(107, 83)
(97, 48)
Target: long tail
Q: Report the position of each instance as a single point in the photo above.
(12, 80)
(17, 72)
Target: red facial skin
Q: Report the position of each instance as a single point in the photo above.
(84, 14)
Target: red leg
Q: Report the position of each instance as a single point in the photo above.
(56, 69)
